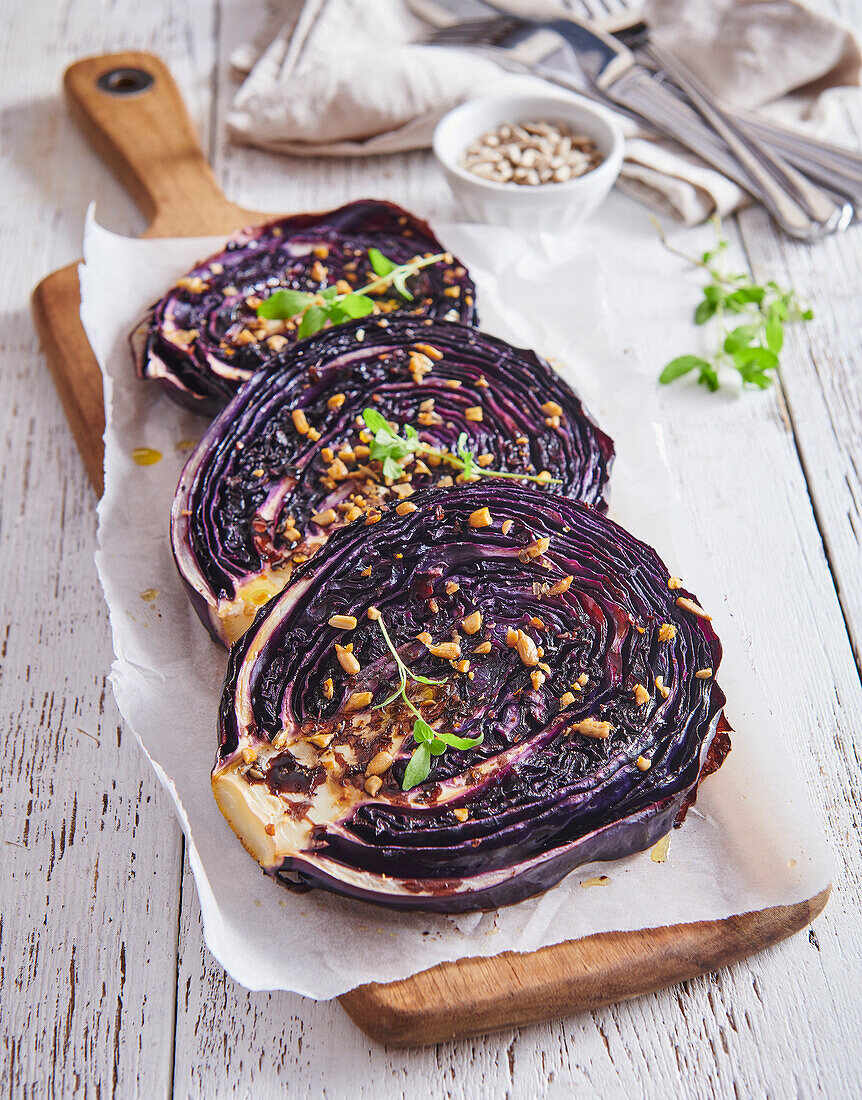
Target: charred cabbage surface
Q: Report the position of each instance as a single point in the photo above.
(594, 759)
(284, 465)
(204, 338)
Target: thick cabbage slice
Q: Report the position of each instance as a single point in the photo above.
(288, 462)
(204, 338)
(586, 670)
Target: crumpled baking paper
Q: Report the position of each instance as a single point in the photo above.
(751, 841)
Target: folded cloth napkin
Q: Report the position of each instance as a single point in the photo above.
(335, 77)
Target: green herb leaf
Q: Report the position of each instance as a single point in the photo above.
(418, 767)
(380, 264)
(312, 321)
(461, 743)
(676, 368)
(705, 310)
(422, 731)
(391, 468)
(375, 421)
(740, 337)
(284, 304)
(437, 747)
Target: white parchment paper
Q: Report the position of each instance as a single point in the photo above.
(751, 841)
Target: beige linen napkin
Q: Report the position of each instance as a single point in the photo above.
(339, 77)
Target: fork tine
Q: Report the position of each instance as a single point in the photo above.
(474, 32)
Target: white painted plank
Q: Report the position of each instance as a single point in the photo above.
(91, 852)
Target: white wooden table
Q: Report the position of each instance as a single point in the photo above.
(107, 988)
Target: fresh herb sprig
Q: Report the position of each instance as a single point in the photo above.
(390, 447)
(749, 317)
(429, 742)
(314, 310)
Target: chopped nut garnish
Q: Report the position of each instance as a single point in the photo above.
(318, 271)
(321, 251)
(405, 507)
(581, 681)
(249, 754)
(537, 548)
(424, 638)
(480, 518)
(325, 517)
(452, 383)
(666, 632)
(689, 605)
(537, 678)
(511, 637)
(472, 623)
(373, 784)
(420, 365)
(641, 695)
(321, 740)
(194, 283)
(380, 764)
(427, 405)
(552, 408)
(343, 622)
(327, 454)
(703, 673)
(527, 650)
(291, 534)
(373, 613)
(450, 651)
(561, 586)
(462, 666)
(445, 481)
(592, 727)
(346, 659)
(659, 683)
(366, 572)
(313, 434)
(299, 421)
(431, 352)
(482, 647)
(328, 689)
(566, 699)
(507, 526)
(644, 763)
(484, 460)
(462, 813)
(452, 587)
(336, 401)
(474, 412)
(277, 342)
(372, 517)
(337, 470)
(433, 606)
(358, 700)
(243, 337)
(674, 582)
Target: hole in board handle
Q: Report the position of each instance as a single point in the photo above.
(125, 82)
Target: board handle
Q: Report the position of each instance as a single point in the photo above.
(131, 110)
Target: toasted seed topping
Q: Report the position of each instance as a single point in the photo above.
(325, 517)
(666, 632)
(372, 517)
(321, 740)
(358, 700)
(431, 352)
(313, 434)
(537, 548)
(424, 638)
(511, 637)
(276, 342)
(689, 605)
(405, 508)
(537, 678)
(452, 587)
(674, 582)
(472, 623)
(346, 659)
(450, 651)
(462, 665)
(592, 727)
(328, 688)
(703, 673)
(366, 572)
(462, 813)
(321, 251)
(507, 526)
(373, 784)
(482, 647)
(343, 622)
(373, 614)
(336, 401)
(527, 650)
(566, 700)
(641, 695)
(300, 421)
(644, 763)
(561, 586)
(659, 683)
(249, 754)
(480, 518)
(552, 408)
(433, 606)
(474, 412)
(380, 764)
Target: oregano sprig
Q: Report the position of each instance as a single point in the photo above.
(315, 309)
(429, 742)
(387, 445)
(750, 320)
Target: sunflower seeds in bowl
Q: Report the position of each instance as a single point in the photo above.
(531, 153)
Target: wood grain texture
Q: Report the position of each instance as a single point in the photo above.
(780, 1024)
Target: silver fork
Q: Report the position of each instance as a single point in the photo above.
(614, 73)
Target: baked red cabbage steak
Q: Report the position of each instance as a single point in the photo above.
(529, 626)
(290, 459)
(204, 338)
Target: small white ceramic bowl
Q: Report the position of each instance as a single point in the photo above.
(545, 206)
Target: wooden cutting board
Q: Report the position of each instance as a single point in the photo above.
(131, 110)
